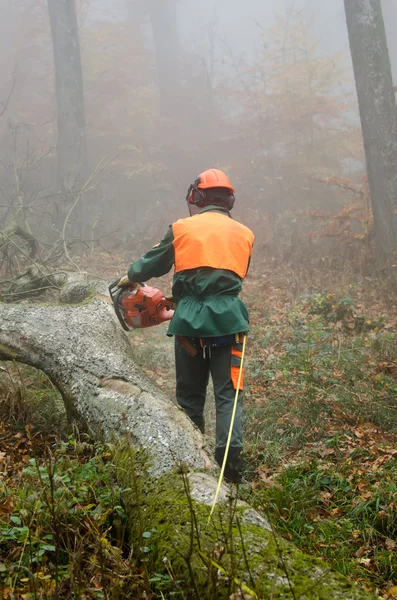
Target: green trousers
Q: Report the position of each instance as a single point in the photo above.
(192, 376)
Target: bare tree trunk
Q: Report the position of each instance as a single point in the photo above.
(71, 143)
(378, 118)
(163, 16)
(87, 356)
(389, 9)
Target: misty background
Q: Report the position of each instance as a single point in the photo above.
(261, 89)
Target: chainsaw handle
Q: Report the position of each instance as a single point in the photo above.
(114, 285)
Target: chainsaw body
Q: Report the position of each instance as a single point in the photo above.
(142, 307)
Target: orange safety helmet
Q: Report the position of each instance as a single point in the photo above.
(212, 178)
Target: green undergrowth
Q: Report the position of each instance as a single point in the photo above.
(332, 510)
(316, 362)
(321, 422)
(27, 396)
(321, 425)
(83, 520)
(63, 527)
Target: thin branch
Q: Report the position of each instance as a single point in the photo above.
(101, 166)
(5, 104)
(23, 293)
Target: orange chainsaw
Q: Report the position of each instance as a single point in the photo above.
(141, 307)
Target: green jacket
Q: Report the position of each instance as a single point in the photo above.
(207, 303)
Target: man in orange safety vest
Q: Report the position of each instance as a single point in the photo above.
(210, 253)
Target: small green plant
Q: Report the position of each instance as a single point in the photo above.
(66, 526)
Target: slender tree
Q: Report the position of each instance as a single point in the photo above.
(378, 114)
(71, 141)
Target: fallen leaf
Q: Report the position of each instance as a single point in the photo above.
(361, 552)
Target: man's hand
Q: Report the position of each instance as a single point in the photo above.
(125, 282)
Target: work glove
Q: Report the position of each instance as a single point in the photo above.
(125, 282)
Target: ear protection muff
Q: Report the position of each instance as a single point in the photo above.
(197, 196)
(230, 202)
(194, 194)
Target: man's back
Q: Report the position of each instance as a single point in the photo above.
(212, 239)
(212, 254)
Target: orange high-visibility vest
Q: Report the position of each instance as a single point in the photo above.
(212, 239)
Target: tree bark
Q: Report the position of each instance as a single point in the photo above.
(71, 142)
(378, 114)
(87, 356)
(389, 9)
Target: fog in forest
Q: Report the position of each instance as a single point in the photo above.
(109, 110)
(252, 358)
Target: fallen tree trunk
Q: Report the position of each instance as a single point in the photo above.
(87, 356)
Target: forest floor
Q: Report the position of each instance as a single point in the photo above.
(320, 449)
